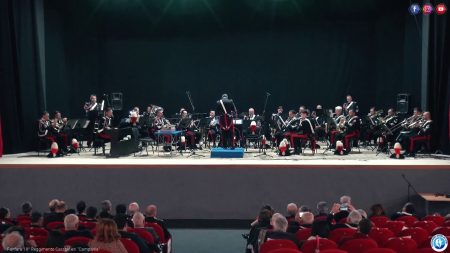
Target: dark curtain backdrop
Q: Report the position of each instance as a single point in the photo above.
(439, 79)
(302, 52)
(21, 72)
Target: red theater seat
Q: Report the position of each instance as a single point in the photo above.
(419, 235)
(77, 240)
(380, 250)
(144, 234)
(441, 230)
(437, 219)
(129, 245)
(35, 231)
(310, 246)
(359, 245)
(429, 226)
(277, 244)
(88, 224)
(395, 226)
(159, 231)
(285, 251)
(401, 245)
(379, 221)
(303, 234)
(336, 235)
(409, 220)
(333, 251)
(381, 235)
(40, 240)
(55, 225)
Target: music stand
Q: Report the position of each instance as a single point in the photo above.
(81, 126)
(71, 124)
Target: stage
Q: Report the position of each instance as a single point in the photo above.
(203, 188)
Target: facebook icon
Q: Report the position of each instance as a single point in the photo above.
(414, 9)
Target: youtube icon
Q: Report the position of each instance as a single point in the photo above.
(441, 9)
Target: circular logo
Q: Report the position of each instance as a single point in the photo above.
(439, 243)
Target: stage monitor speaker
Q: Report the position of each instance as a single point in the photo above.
(116, 101)
(403, 103)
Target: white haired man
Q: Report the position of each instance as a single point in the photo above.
(342, 209)
(280, 225)
(140, 229)
(292, 211)
(13, 242)
(352, 221)
(151, 217)
(71, 224)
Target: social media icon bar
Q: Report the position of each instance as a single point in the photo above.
(441, 9)
(427, 9)
(414, 9)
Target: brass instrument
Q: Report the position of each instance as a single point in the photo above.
(342, 125)
(155, 108)
(416, 123)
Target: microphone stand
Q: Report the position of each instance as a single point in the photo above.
(264, 154)
(410, 186)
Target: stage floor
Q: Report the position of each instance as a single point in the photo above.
(252, 158)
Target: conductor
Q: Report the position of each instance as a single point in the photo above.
(225, 109)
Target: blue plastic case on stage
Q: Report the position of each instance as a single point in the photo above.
(227, 153)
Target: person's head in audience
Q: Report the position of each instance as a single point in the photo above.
(55, 239)
(52, 205)
(364, 226)
(409, 208)
(4, 213)
(17, 229)
(291, 209)
(151, 211)
(306, 218)
(377, 210)
(354, 217)
(91, 212)
(121, 221)
(81, 207)
(104, 214)
(60, 207)
(27, 208)
(363, 213)
(37, 219)
(121, 209)
(304, 208)
(133, 208)
(106, 231)
(345, 200)
(322, 208)
(279, 223)
(320, 229)
(138, 220)
(106, 206)
(70, 211)
(269, 208)
(71, 222)
(13, 240)
(264, 217)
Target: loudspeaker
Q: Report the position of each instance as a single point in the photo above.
(116, 101)
(403, 103)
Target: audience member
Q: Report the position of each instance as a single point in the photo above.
(91, 214)
(377, 210)
(57, 215)
(37, 220)
(352, 220)
(81, 210)
(71, 224)
(151, 217)
(13, 242)
(363, 231)
(280, 224)
(292, 211)
(55, 239)
(122, 225)
(107, 237)
(407, 210)
(106, 209)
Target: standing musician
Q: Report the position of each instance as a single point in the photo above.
(187, 125)
(104, 125)
(91, 108)
(213, 127)
(337, 124)
(225, 109)
(350, 105)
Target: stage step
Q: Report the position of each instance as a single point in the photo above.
(227, 153)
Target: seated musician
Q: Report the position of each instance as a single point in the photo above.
(146, 121)
(213, 127)
(289, 126)
(104, 125)
(422, 135)
(410, 126)
(162, 123)
(338, 116)
(225, 110)
(371, 126)
(46, 130)
(304, 128)
(353, 126)
(388, 131)
(319, 122)
(251, 115)
(58, 124)
(350, 105)
(277, 124)
(186, 124)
